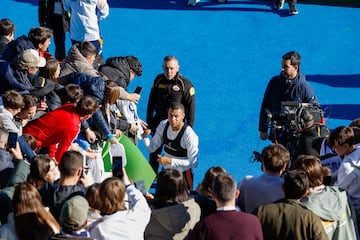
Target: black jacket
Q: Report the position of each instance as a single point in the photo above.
(165, 91)
(48, 89)
(118, 70)
(47, 17)
(3, 42)
(14, 48)
(310, 140)
(54, 195)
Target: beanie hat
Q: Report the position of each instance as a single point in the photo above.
(74, 213)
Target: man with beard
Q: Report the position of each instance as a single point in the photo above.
(291, 86)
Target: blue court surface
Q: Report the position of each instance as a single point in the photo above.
(230, 51)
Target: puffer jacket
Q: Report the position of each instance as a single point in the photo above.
(118, 70)
(14, 48)
(75, 62)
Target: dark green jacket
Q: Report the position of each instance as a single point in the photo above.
(288, 219)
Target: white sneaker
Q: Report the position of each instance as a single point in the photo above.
(193, 3)
(279, 4)
(293, 11)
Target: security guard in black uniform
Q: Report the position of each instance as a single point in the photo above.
(168, 87)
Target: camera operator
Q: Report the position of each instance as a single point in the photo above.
(290, 85)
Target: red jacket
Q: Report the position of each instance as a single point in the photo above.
(60, 126)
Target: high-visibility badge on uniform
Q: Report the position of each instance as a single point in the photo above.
(192, 91)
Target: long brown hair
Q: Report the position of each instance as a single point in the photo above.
(171, 189)
(31, 218)
(93, 196)
(112, 194)
(39, 167)
(205, 187)
(49, 70)
(111, 94)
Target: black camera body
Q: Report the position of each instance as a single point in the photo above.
(290, 117)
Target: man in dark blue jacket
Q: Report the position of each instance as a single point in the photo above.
(15, 76)
(290, 85)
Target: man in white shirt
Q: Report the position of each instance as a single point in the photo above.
(179, 140)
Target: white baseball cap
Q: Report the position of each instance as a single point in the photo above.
(31, 58)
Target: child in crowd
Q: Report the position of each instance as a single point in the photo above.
(118, 222)
(227, 222)
(13, 103)
(203, 193)
(28, 111)
(74, 217)
(93, 198)
(38, 38)
(31, 141)
(30, 219)
(174, 213)
(330, 203)
(42, 171)
(47, 85)
(7, 31)
(56, 130)
(342, 140)
(123, 70)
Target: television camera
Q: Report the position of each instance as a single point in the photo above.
(286, 127)
(290, 119)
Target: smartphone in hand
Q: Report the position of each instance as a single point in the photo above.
(138, 90)
(117, 167)
(12, 139)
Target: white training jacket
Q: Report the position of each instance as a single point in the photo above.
(84, 18)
